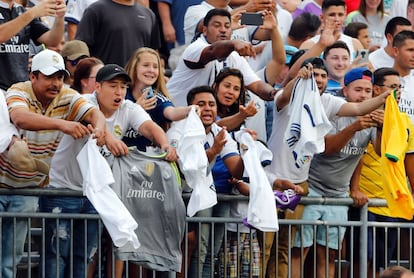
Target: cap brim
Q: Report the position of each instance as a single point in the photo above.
(76, 56)
(42, 167)
(117, 75)
(52, 70)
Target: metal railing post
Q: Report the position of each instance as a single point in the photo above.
(363, 239)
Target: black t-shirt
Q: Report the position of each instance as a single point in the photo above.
(114, 31)
(14, 53)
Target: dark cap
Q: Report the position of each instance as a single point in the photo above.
(110, 71)
(316, 62)
(356, 74)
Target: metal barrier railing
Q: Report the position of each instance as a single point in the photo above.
(363, 224)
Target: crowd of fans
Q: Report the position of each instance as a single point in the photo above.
(122, 72)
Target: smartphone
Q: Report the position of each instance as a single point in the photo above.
(364, 53)
(251, 19)
(150, 91)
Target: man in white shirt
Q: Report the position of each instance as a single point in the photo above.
(333, 106)
(334, 11)
(203, 59)
(403, 45)
(383, 57)
(193, 18)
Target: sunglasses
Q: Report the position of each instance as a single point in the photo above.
(76, 61)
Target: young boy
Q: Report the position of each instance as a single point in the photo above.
(120, 114)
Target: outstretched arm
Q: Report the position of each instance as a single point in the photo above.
(154, 133)
(284, 98)
(275, 65)
(335, 142)
(362, 108)
(44, 8)
(234, 121)
(221, 50)
(327, 38)
(54, 35)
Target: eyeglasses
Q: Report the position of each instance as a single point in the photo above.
(91, 77)
(393, 86)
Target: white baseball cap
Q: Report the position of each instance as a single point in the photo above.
(48, 62)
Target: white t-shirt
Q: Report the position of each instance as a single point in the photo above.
(184, 78)
(379, 58)
(283, 164)
(64, 168)
(195, 13)
(8, 129)
(75, 9)
(258, 121)
(399, 8)
(284, 20)
(406, 103)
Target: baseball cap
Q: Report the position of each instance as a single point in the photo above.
(290, 51)
(356, 74)
(21, 159)
(48, 62)
(316, 62)
(75, 49)
(110, 71)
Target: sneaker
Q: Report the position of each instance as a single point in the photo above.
(287, 199)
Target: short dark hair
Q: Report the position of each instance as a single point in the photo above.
(328, 3)
(337, 44)
(214, 12)
(303, 26)
(381, 73)
(353, 28)
(316, 62)
(198, 90)
(392, 24)
(401, 37)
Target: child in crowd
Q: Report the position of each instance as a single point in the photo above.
(148, 89)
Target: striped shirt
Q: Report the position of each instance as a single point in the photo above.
(68, 105)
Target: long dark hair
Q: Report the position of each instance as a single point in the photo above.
(223, 111)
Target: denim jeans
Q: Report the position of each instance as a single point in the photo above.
(203, 255)
(59, 244)
(14, 236)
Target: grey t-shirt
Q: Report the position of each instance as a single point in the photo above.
(329, 175)
(376, 26)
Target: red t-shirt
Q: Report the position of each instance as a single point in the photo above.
(352, 5)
